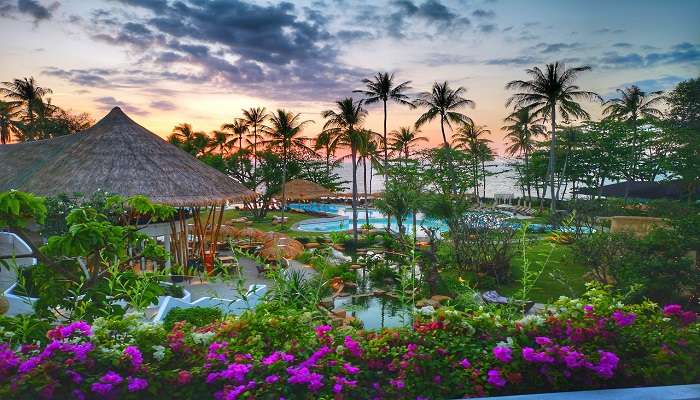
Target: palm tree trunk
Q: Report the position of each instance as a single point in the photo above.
(442, 130)
(386, 154)
(284, 184)
(552, 163)
(353, 152)
(527, 176)
(364, 182)
(255, 155)
(483, 176)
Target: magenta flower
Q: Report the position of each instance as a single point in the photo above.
(496, 379)
(350, 369)
(588, 309)
(134, 355)
(397, 383)
(136, 384)
(101, 388)
(672, 309)
(74, 376)
(543, 341)
(465, 363)
(606, 364)
(111, 378)
(503, 354)
(623, 319)
(352, 346)
(574, 359)
(270, 379)
(322, 330)
(688, 317)
(529, 354)
(184, 377)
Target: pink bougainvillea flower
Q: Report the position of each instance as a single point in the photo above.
(503, 353)
(623, 319)
(136, 384)
(495, 378)
(465, 363)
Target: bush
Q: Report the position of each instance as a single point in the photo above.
(590, 343)
(197, 316)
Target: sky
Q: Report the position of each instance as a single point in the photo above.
(166, 62)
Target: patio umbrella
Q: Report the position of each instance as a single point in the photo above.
(251, 233)
(279, 251)
(273, 236)
(228, 231)
(301, 189)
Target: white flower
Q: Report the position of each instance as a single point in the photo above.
(508, 343)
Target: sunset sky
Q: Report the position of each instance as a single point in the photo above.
(166, 62)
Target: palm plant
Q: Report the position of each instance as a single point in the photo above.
(546, 93)
(219, 141)
(632, 106)
(443, 102)
(255, 118)
(404, 139)
(239, 128)
(188, 140)
(368, 149)
(470, 139)
(284, 132)
(9, 114)
(324, 141)
(27, 93)
(342, 124)
(522, 129)
(382, 88)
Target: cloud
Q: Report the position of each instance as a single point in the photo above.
(548, 48)
(480, 13)
(517, 61)
(487, 28)
(609, 31)
(163, 105)
(681, 53)
(95, 77)
(622, 45)
(435, 15)
(32, 8)
(648, 85)
(108, 102)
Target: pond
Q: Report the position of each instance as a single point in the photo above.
(375, 312)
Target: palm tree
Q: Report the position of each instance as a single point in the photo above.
(368, 149)
(634, 105)
(255, 117)
(382, 88)
(324, 141)
(546, 93)
(342, 125)
(404, 139)
(239, 128)
(219, 141)
(523, 126)
(469, 138)
(188, 140)
(284, 133)
(443, 102)
(9, 114)
(27, 93)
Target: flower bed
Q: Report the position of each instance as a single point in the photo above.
(277, 352)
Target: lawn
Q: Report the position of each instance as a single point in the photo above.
(266, 224)
(561, 274)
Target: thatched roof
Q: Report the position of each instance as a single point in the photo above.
(119, 156)
(301, 189)
(644, 190)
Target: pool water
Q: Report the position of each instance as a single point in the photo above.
(375, 312)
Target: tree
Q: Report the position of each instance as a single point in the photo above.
(25, 92)
(469, 138)
(443, 102)
(342, 124)
(546, 93)
(9, 115)
(284, 132)
(524, 126)
(239, 128)
(367, 149)
(255, 117)
(219, 141)
(684, 132)
(382, 88)
(405, 139)
(188, 140)
(324, 141)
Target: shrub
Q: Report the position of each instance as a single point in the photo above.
(197, 316)
(592, 342)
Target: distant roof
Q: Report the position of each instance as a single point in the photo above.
(118, 156)
(301, 189)
(644, 190)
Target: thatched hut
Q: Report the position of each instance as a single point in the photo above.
(119, 156)
(301, 189)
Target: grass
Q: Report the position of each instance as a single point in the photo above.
(266, 224)
(561, 276)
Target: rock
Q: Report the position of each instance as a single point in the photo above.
(339, 312)
(312, 245)
(339, 247)
(351, 285)
(379, 292)
(349, 320)
(427, 302)
(355, 266)
(440, 298)
(421, 303)
(327, 302)
(4, 305)
(426, 310)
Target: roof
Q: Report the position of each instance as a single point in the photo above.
(118, 156)
(301, 189)
(644, 190)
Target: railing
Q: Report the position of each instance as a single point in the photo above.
(676, 392)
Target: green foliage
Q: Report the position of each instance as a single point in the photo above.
(17, 209)
(20, 329)
(197, 316)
